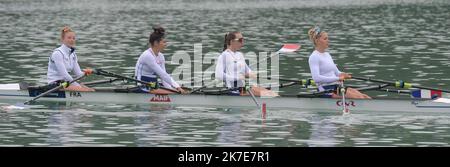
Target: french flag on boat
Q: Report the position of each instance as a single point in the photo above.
(426, 94)
(289, 48)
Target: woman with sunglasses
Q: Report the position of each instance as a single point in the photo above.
(323, 70)
(64, 60)
(232, 69)
(151, 64)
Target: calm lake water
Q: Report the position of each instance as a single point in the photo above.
(407, 40)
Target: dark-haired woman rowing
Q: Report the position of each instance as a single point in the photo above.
(151, 64)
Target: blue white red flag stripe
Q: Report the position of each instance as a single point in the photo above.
(426, 94)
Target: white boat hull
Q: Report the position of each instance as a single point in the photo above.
(327, 104)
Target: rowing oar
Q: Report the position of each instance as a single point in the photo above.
(263, 107)
(102, 81)
(55, 89)
(110, 74)
(303, 82)
(399, 84)
(203, 87)
(254, 98)
(345, 109)
(314, 94)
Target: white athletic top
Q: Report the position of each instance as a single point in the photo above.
(150, 65)
(323, 70)
(228, 67)
(62, 61)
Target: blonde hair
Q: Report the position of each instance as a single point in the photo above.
(65, 30)
(314, 33)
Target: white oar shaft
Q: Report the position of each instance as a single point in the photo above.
(344, 105)
(254, 98)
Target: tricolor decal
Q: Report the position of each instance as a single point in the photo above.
(426, 94)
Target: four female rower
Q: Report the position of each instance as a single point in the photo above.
(151, 64)
(64, 60)
(323, 70)
(232, 69)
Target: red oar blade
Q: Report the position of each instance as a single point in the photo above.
(287, 48)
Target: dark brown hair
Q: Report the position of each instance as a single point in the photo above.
(228, 37)
(157, 35)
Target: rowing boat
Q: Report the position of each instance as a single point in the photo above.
(127, 95)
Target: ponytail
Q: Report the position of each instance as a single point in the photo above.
(228, 37)
(225, 43)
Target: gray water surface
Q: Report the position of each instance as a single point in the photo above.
(407, 40)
